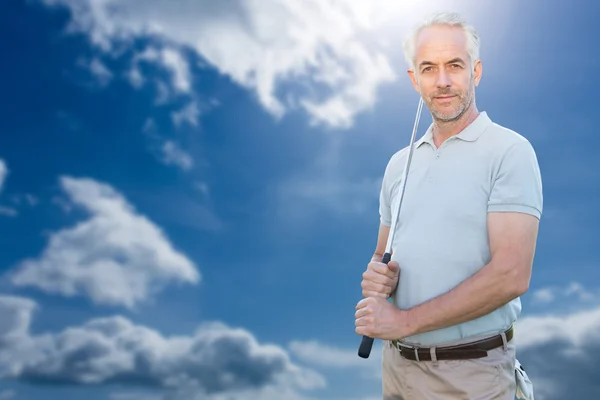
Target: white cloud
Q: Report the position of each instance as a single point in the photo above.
(544, 295)
(8, 212)
(16, 317)
(175, 155)
(317, 353)
(116, 256)
(170, 59)
(30, 199)
(574, 329)
(574, 292)
(174, 62)
(190, 114)
(216, 362)
(327, 357)
(202, 187)
(329, 58)
(334, 53)
(98, 69)
(166, 151)
(3, 173)
(17, 199)
(7, 394)
(342, 361)
(5, 211)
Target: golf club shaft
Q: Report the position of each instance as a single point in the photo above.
(367, 342)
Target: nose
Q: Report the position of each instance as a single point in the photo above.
(443, 80)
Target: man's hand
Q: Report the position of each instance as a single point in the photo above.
(380, 280)
(377, 318)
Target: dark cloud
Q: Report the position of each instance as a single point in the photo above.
(215, 360)
(561, 354)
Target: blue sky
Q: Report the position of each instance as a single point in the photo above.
(218, 179)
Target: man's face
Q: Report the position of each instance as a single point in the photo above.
(443, 73)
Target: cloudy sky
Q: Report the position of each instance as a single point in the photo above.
(189, 191)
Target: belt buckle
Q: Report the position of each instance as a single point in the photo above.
(396, 344)
(401, 349)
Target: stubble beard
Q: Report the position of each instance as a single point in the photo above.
(465, 101)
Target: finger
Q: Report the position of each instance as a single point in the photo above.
(364, 303)
(377, 287)
(385, 269)
(378, 268)
(377, 277)
(370, 293)
(363, 321)
(362, 312)
(360, 304)
(364, 330)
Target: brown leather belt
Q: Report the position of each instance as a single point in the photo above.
(464, 351)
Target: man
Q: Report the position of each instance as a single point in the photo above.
(465, 240)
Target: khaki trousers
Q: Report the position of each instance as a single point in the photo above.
(488, 378)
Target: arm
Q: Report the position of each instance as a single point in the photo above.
(385, 211)
(382, 236)
(514, 211)
(512, 241)
(379, 280)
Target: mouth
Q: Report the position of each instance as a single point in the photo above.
(445, 99)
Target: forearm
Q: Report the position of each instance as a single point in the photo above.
(490, 288)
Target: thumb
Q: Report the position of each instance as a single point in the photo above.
(394, 266)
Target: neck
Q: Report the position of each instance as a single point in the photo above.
(442, 130)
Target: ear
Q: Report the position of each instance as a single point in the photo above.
(477, 72)
(413, 79)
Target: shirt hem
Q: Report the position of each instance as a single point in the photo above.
(522, 208)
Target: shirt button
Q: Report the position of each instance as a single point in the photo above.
(437, 156)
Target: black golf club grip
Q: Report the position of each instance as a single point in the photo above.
(367, 343)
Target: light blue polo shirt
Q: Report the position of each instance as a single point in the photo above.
(441, 237)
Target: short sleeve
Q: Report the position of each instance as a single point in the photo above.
(517, 186)
(385, 210)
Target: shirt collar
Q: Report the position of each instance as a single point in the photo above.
(469, 134)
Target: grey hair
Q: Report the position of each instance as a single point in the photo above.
(442, 19)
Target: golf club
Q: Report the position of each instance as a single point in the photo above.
(367, 343)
